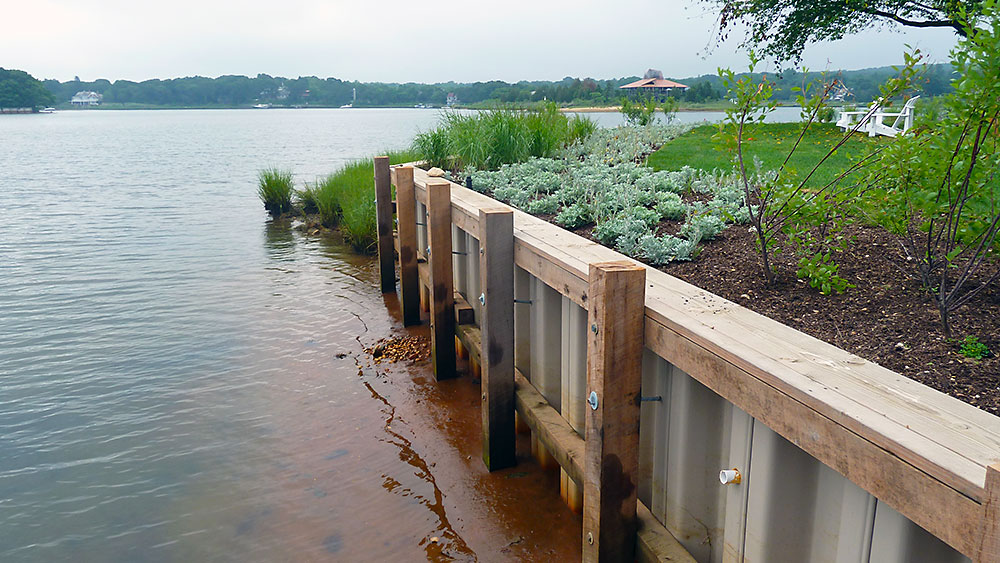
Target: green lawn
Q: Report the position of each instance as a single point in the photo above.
(770, 143)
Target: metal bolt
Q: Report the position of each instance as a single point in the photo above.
(592, 400)
(593, 328)
(482, 299)
(482, 251)
(428, 251)
(590, 538)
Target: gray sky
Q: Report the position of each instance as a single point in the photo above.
(397, 41)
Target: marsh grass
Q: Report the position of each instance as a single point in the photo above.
(275, 187)
(502, 135)
(347, 198)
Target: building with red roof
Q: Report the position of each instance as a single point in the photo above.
(653, 88)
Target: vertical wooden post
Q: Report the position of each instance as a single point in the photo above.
(989, 543)
(442, 280)
(614, 378)
(406, 213)
(383, 217)
(496, 240)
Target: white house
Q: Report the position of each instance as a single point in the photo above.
(84, 99)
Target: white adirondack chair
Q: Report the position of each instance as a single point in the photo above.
(849, 119)
(902, 123)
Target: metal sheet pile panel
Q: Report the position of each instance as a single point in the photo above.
(787, 506)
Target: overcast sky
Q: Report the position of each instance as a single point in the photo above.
(397, 41)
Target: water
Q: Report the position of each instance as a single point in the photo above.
(170, 386)
(178, 376)
(614, 119)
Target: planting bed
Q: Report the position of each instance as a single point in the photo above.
(596, 190)
(885, 319)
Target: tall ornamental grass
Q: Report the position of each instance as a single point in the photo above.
(489, 139)
(274, 186)
(347, 198)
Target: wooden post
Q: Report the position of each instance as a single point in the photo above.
(383, 217)
(496, 271)
(406, 213)
(989, 543)
(442, 281)
(614, 378)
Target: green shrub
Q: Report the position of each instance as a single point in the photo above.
(662, 250)
(575, 216)
(821, 273)
(973, 348)
(702, 227)
(670, 206)
(543, 206)
(274, 187)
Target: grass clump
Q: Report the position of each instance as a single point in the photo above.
(274, 187)
(487, 140)
(347, 198)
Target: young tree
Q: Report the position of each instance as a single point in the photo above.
(782, 28)
(939, 190)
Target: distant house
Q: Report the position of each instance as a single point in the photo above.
(658, 88)
(85, 99)
(451, 100)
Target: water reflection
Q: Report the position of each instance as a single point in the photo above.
(279, 239)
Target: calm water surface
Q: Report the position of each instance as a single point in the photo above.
(167, 353)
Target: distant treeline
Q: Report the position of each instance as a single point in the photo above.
(236, 91)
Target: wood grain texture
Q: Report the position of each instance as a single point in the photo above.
(496, 232)
(406, 214)
(442, 298)
(614, 373)
(383, 221)
(989, 537)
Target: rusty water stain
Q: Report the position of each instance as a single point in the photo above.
(436, 550)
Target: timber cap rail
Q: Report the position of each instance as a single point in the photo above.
(930, 456)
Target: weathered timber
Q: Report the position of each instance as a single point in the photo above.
(614, 378)
(496, 231)
(383, 218)
(406, 213)
(442, 292)
(464, 313)
(655, 544)
(989, 542)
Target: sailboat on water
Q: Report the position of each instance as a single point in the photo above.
(354, 98)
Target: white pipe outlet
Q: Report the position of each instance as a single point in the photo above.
(730, 477)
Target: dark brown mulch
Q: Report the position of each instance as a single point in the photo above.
(887, 318)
